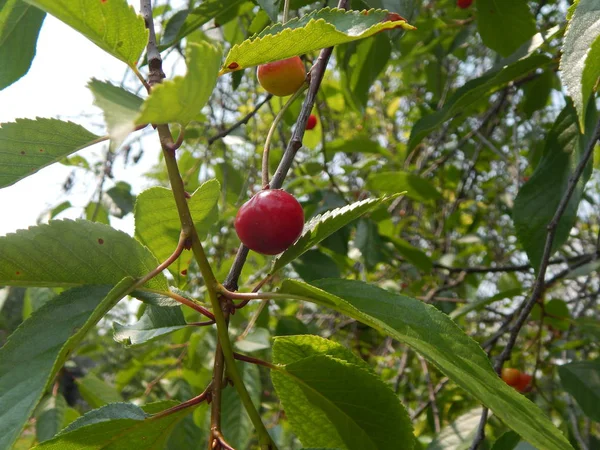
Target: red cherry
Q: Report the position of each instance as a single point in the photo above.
(464, 4)
(312, 122)
(511, 376)
(270, 221)
(524, 381)
(283, 77)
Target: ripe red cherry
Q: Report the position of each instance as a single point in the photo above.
(524, 381)
(312, 122)
(511, 376)
(270, 221)
(464, 4)
(283, 77)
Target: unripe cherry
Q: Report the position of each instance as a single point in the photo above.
(270, 221)
(312, 122)
(283, 77)
(511, 376)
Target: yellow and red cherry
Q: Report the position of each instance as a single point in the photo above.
(282, 78)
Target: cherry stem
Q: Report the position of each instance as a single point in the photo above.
(278, 117)
(170, 260)
(195, 305)
(205, 396)
(252, 360)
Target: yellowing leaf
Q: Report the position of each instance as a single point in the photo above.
(319, 29)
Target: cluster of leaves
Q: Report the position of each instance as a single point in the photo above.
(411, 291)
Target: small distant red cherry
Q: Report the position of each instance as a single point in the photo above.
(464, 4)
(312, 122)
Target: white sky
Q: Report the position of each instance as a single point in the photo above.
(55, 86)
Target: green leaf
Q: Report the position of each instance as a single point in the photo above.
(495, 17)
(110, 24)
(459, 434)
(156, 321)
(582, 380)
(49, 417)
(319, 29)
(413, 255)
(270, 7)
(237, 426)
(28, 145)
(358, 144)
(415, 186)
(258, 339)
(120, 108)
(72, 253)
(314, 265)
(580, 61)
(220, 10)
(350, 408)
(369, 242)
(369, 58)
(473, 91)
(431, 333)
(117, 426)
(482, 302)
(322, 226)
(180, 100)
(508, 441)
(35, 352)
(19, 29)
(289, 349)
(97, 392)
(538, 199)
(119, 199)
(157, 223)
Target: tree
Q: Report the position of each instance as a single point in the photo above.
(450, 194)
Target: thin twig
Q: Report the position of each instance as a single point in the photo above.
(244, 120)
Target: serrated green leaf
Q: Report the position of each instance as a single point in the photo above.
(19, 28)
(73, 253)
(459, 434)
(473, 91)
(271, 7)
(538, 199)
(350, 408)
(120, 108)
(319, 29)
(157, 223)
(582, 380)
(97, 392)
(416, 187)
(321, 226)
(112, 25)
(118, 426)
(290, 349)
(434, 335)
(28, 145)
(580, 61)
(35, 352)
(180, 100)
(314, 265)
(495, 17)
(156, 321)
